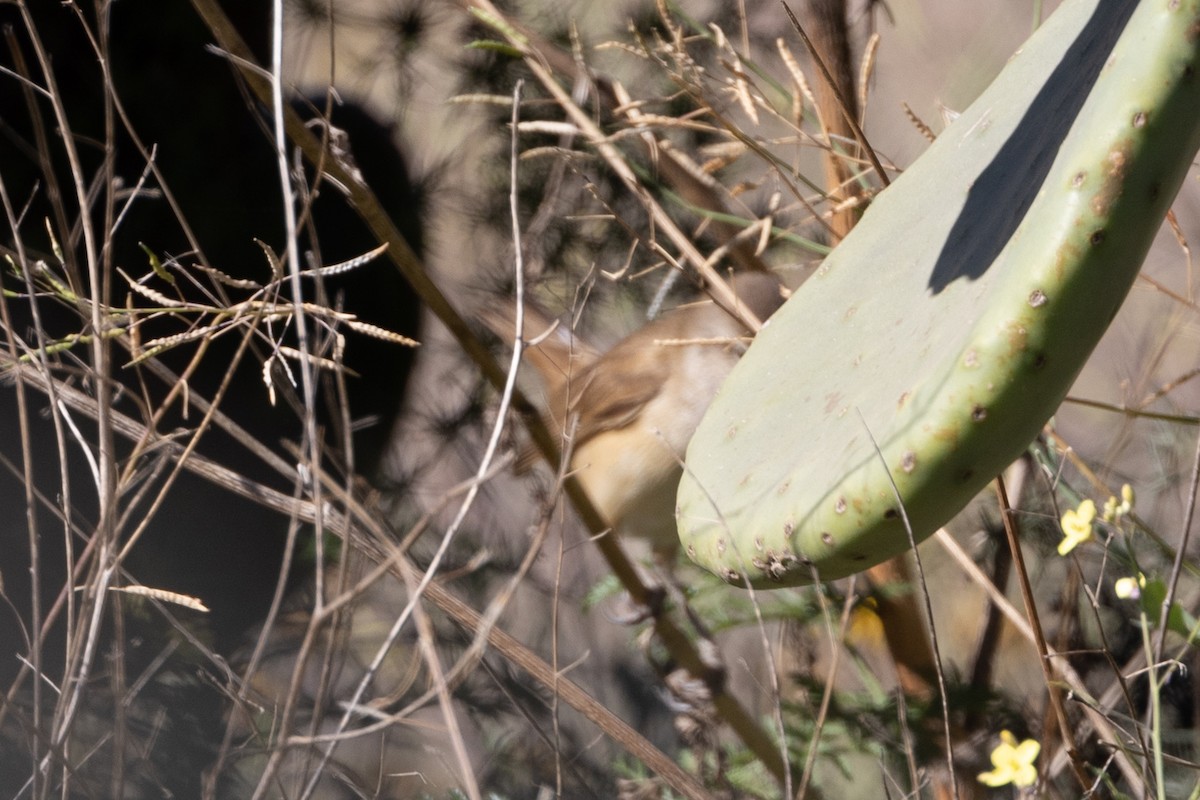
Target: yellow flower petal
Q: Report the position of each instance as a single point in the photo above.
(994, 778)
(1071, 541)
(1028, 750)
(1077, 526)
(1025, 776)
(1013, 762)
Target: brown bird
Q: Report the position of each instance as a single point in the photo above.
(632, 410)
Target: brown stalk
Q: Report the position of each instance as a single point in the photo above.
(837, 105)
(1035, 624)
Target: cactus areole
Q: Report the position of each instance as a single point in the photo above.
(937, 339)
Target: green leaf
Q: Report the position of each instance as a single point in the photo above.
(1179, 621)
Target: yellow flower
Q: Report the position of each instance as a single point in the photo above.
(1114, 510)
(1013, 763)
(1077, 526)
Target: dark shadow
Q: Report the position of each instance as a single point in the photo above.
(1004, 191)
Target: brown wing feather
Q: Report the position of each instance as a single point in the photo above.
(613, 390)
(619, 383)
(607, 394)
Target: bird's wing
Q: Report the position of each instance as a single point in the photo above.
(612, 391)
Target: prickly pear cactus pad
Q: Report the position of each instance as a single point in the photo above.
(949, 325)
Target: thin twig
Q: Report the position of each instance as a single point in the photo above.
(455, 525)
(1074, 681)
(486, 633)
(933, 639)
(1180, 550)
(858, 132)
(1035, 625)
(717, 286)
(79, 658)
(836, 643)
(307, 379)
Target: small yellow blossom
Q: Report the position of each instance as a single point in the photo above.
(1077, 526)
(1109, 513)
(1013, 763)
(1130, 588)
(1114, 510)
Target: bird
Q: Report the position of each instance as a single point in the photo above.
(628, 413)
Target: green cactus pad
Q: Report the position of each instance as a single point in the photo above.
(947, 328)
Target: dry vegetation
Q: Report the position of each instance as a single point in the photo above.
(452, 628)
